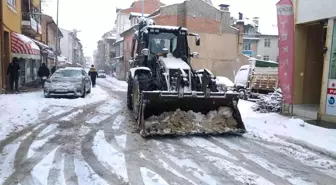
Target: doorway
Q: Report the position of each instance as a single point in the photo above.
(309, 68)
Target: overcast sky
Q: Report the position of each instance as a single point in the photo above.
(93, 18)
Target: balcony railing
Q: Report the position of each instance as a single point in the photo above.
(30, 25)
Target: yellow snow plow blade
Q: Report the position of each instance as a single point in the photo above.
(165, 113)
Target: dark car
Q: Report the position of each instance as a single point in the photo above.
(68, 81)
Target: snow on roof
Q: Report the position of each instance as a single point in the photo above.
(136, 14)
(166, 27)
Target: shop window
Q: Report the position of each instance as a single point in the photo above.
(267, 43)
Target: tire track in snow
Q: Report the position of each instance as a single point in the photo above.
(23, 169)
(200, 159)
(162, 156)
(110, 133)
(177, 171)
(285, 162)
(69, 170)
(94, 163)
(55, 171)
(247, 163)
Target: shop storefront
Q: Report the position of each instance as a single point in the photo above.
(29, 55)
(314, 73)
(331, 82)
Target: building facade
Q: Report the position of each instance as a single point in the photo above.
(314, 73)
(20, 32)
(49, 38)
(221, 45)
(72, 48)
(123, 21)
(257, 43)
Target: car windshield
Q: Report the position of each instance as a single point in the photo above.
(68, 73)
(176, 44)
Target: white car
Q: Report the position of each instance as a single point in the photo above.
(101, 74)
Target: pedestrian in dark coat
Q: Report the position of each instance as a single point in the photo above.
(93, 74)
(13, 71)
(43, 73)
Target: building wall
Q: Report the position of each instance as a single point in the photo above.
(272, 51)
(219, 50)
(123, 22)
(12, 17)
(67, 44)
(312, 10)
(11, 22)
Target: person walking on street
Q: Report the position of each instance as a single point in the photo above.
(93, 74)
(43, 73)
(13, 71)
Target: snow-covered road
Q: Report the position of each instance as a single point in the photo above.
(92, 141)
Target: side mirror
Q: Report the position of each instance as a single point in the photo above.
(198, 40)
(145, 52)
(165, 50)
(194, 55)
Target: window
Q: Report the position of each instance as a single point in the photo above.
(267, 43)
(266, 57)
(12, 3)
(247, 46)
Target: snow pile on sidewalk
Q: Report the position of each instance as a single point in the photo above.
(277, 128)
(269, 103)
(181, 122)
(21, 110)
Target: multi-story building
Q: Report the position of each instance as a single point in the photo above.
(49, 34)
(19, 29)
(220, 49)
(71, 47)
(123, 22)
(258, 42)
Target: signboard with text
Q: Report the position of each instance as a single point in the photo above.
(285, 13)
(331, 97)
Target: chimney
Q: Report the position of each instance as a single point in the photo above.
(240, 16)
(224, 7)
(255, 20)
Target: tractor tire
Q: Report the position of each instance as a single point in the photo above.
(140, 82)
(129, 93)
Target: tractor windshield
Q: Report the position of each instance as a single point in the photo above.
(174, 42)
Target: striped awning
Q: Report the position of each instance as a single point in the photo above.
(24, 47)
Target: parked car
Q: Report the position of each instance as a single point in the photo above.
(101, 74)
(68, 81)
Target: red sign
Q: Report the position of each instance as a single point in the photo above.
(285, 12)
(331, 91)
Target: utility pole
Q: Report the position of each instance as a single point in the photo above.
(57, 37)
(2, 49)
(143, 7)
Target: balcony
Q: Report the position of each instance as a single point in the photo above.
(30, 26)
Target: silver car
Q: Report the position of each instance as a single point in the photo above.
(69, 81)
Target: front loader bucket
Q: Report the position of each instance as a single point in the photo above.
(165, 113)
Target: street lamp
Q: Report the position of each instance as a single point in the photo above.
(57, 37)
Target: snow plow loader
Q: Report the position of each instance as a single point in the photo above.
(168, 97)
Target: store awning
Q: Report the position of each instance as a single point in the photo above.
(41, 45)
(24, 47)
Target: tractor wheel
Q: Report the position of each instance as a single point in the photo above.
(140, 83)
(129, 93)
